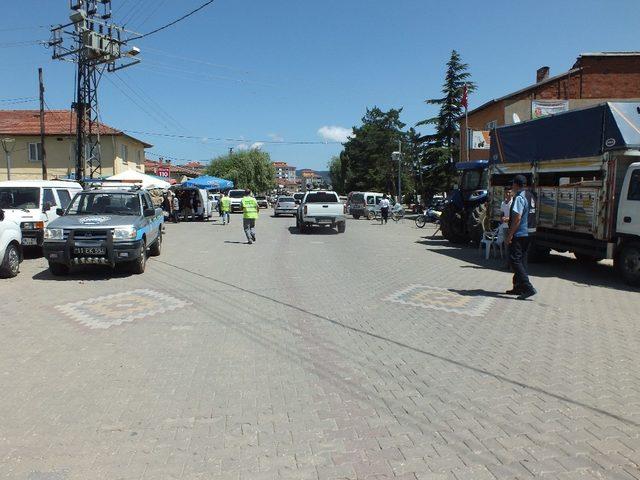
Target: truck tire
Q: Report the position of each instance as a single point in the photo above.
(156, 249)
(139, 264)
(10, 266)
(58, 269)
(475, 223)
(356, 216)
(627, 263)
(301, 226)
(452, 226)
(585, 258)
(538, 253)
(342, 226)
(371, 215)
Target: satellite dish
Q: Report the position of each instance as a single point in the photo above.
(516, 118)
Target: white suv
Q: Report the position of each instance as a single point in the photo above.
(10, 246)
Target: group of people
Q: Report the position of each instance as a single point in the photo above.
(183, 203)
(517, 204)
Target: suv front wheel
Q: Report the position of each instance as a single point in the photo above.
(139, 264)
(10, 265)
(156, 248)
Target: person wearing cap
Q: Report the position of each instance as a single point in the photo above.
(518, 239)
(249, 216)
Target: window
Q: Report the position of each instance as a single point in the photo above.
(19, 197)
(634, 186)
(321, 197)
(371, 200)
(49, 197)
(146, 202)
(492, 124)
(124, 153)
(35, 152)
(139, 152)
(65, 198)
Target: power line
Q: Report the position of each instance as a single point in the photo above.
(204, 74)
(18, 99)
(194, 60)
(242, 140)
(192, 12)
(159, 4)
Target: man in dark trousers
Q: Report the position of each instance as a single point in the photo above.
(518, 239)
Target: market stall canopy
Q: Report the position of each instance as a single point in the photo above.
(586, 132)
(138, 178)
(207, 181)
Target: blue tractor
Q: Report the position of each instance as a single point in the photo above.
(465, 211)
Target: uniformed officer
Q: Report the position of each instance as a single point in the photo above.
(249, 216)
(225, 201)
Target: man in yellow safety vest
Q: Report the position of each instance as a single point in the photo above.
(249, 216)
(226, 208)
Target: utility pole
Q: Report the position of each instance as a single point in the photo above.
(43, 151)
(397, 156)
(8, 144)
(96, 45)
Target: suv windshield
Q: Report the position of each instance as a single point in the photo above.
(236, 193)
(19, 197)
(321, 197)
(101, 203)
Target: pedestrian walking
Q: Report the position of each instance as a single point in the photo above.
(175, 209)
(518, 239)
(384, 209)
(225, 208)
(249, 216)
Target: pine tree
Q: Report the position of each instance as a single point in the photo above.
(446, 123)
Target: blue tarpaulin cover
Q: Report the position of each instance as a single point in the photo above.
(586, 132)
(207, 181)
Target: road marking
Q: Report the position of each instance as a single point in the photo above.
(436, 298)
(105, 312)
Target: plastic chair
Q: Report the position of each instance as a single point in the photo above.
(490, 241)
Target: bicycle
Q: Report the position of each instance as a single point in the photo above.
(421, 220)
(396, 214)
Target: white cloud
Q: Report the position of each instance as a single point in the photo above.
(242, 146)
(276, 137)
(256, 145)
(332, 133)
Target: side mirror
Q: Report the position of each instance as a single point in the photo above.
(298, 202)
(60, 212)
(149, 212)
(47, 206)
(1, 215)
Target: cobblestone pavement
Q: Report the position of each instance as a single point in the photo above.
(375, 354)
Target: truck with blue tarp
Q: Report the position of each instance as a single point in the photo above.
(105, 226)
(584, 168)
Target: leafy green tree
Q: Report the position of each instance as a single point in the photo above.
(366, 161)
(337, 173)
(451, 109)
(250, 169)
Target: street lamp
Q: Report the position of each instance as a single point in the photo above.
(8, 144)
(397, 157)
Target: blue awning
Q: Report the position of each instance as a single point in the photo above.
(209, 182)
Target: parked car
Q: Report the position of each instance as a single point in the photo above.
(323, 208)
(10, 246)
(33, 204)
(105, 227)
(298, 197)
(262, 201)
(285, 206)
(236, 200)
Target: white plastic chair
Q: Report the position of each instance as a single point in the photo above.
(492, 240)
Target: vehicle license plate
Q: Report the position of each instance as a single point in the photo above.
(90, 250)
(29, 241)
(324, 220)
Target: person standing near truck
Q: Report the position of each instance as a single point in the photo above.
(249, 216)
(225, 208)
(384, 209)
(175, 209)
(518, 239)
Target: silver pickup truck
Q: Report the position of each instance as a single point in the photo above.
(323, 208)
(104, 227)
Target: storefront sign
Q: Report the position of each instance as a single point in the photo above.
(544, 108)
(164, 172)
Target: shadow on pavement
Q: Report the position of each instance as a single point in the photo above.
(236, 243)
(90, 273)
(558, 266)
(293, 230)
(478, 292)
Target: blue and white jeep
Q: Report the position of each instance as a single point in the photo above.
(105, 227)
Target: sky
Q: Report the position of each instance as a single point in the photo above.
(271, 74)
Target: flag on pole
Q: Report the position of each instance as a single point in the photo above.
(465, 97)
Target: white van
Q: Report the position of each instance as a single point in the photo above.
(363, 204)
(33, 204)
(10, 248)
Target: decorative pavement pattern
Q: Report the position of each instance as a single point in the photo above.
(113, 310)
(436, 298)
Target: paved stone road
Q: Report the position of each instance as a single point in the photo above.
(375, 354)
